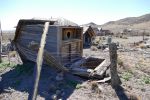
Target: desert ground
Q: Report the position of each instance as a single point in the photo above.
(16, 79)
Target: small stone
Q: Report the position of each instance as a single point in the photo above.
(52, 88)
(63, 93)
(54, 97)
(59, 76)
(108, 72)
(143, 90)
(58, 92)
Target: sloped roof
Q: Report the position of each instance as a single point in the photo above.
(34, 21)
(58, 21)
(65, 22)
(96, 30)
(85, 28)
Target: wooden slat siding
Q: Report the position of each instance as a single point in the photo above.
(51, 41)
(59, 43)
(34, 34)
(31, 33)
(23, 22)
(37, 28)
(76, 48)
(65, 53)
(27, 53)
(74, 51)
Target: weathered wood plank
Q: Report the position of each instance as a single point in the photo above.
(0, 43)
(115, 80)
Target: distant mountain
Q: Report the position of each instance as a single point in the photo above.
(138, 24)
(90, 24)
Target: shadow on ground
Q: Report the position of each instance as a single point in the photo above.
(121, 93)
(20, 78)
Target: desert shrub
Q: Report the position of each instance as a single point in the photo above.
(125, 37)
(95, 88)
(78, 86)
(120, 36)
(126, 75)
(6, 64)
(120, 62)
(72, 83)
(94, 48)
(146, 79)
(24, 69)
(104, 38)
(142, 46)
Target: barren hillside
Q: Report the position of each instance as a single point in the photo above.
(140, 24)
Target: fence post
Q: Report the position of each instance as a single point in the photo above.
(0, 43)
(115, 80)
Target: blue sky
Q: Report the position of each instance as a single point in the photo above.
(79, 11)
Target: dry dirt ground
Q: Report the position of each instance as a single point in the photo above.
(16, 80)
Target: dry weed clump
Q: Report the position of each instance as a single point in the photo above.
(120, 62)
(95, 88)
(94, 48)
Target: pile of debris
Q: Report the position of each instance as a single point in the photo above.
(91, 68)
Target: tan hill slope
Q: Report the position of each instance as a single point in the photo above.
(140, 24)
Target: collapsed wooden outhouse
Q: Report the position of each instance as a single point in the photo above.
(63, 49)
(63, 42)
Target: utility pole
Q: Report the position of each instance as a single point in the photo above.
(0, 43)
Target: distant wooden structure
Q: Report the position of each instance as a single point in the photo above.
(103, 32)
(88, 34)
(64, 39)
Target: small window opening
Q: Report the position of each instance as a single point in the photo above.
(68, 35)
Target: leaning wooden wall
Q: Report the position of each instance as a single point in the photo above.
(29, 40)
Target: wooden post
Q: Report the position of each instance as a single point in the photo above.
(0, 43)
(115, 80)
(39, 62)
(143, 34)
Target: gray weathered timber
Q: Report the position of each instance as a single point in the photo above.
(115, 80)
(101, 69)
(39, 61)
(0, 43)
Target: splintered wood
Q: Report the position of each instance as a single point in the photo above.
(98, 72)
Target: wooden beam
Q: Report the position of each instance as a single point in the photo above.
(0, 43)
(39, 62)
(115, 80)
